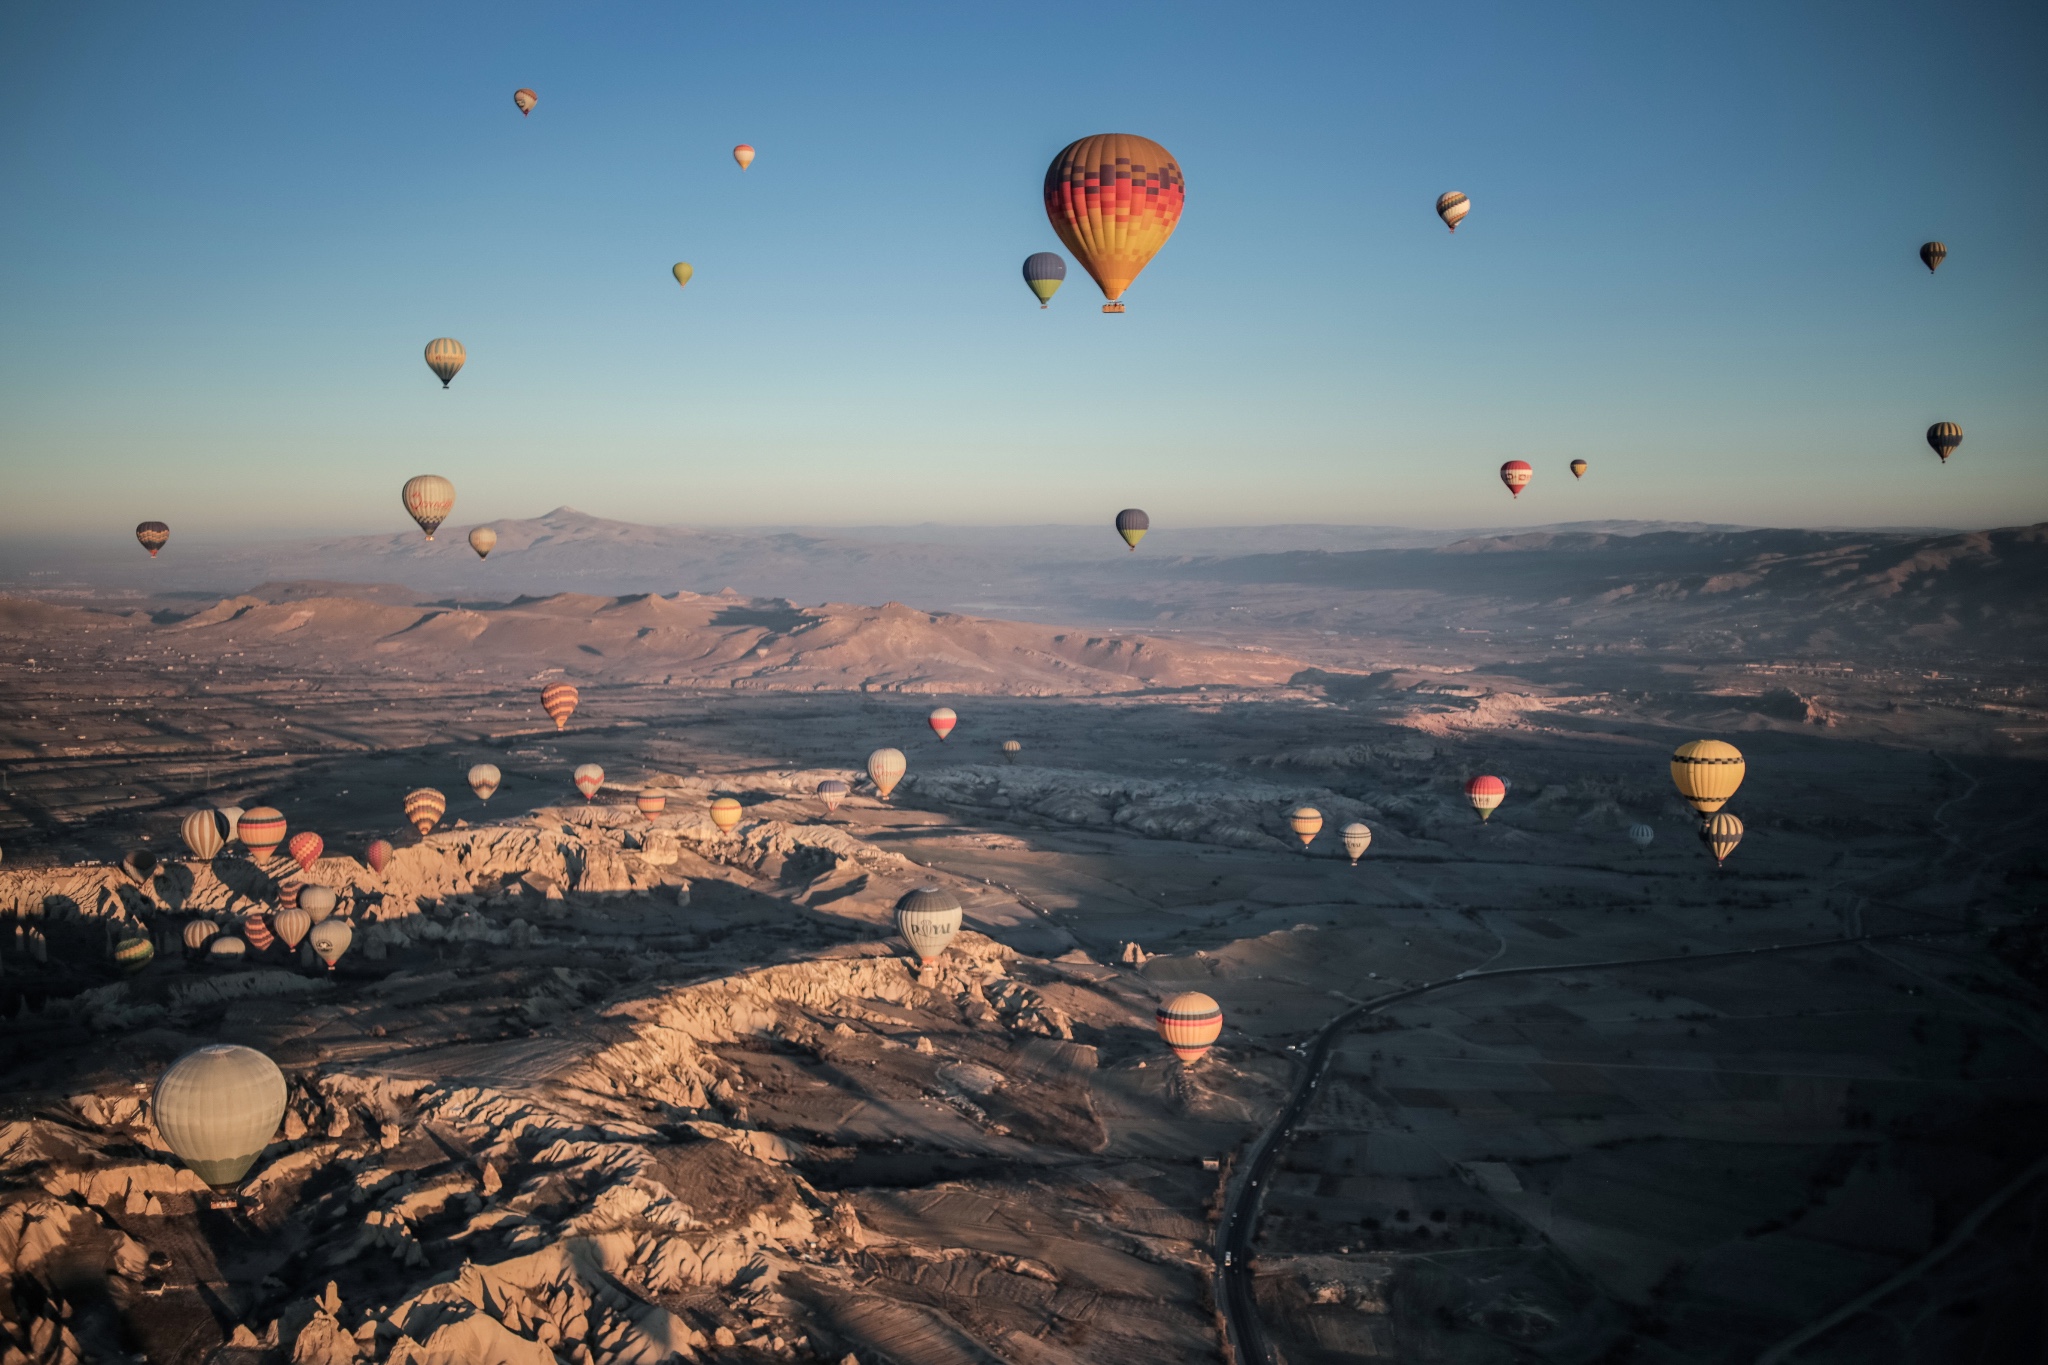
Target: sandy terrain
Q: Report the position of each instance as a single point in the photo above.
(593, 1087)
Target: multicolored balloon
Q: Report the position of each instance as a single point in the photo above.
(218, 1107)
(744, 155)
(1944, 437)
(927, 919)
(726, 813)
(378, 855)
(154, 535)
(198, 932)
(588, 778)
(256, 931)
(424, 808)
(832, 791)
(1306, 822)
(1190, 1024)
(651, 802)
(261, 831)
(306, 848)
(1044, 272)
(1452, 206)
(1720, 832)
(1485, 794)
(559, 701)
(483, 540)
(1357, 839)
(445, 358)
(1516, 475)
(525, 99)
(1707, 772)
(942, 720)
(428, 499)
(1131, 524)
(1011, 748)
(133, 952)
(1932, 254)
(484, 779)
(1578, 469)
(885, 769)
(291, 925)
(1114, 199)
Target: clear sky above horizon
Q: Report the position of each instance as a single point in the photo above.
(230, 229)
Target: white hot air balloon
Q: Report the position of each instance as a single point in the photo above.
(330, 938)
(428, 500)
(317, 901)
(205, 833)
(484, 779)
(927, 918)
(1452, 206)
(218, 1107)
(483, 540)
(291, 925)
(886, 768)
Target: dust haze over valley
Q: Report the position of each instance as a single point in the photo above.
(595, 1086)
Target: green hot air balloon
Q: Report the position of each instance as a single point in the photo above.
(218, 1107)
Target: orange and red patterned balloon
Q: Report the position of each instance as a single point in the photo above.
(559, 701)
(1114, 199)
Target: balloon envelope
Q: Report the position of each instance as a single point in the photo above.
(153, 535)
(725, 813)
(1357, 839)
(559, 701)
(444, 357)
(942, 720)
(682, 271)
(428, 500)
(317, 901)
(483, 540)
(133, 952)
(744, 155)
(1721, 832)
(1452, 206)
(885, 769)
(651, 802)
(1190, 1025)
(1707, 772)
(1932, 254)
(1516, 475)
(261, 830)
(588, 778)
(832, 791)
(1485, 793)
(1943, 438)
(291, 925)
(256, 930)
(1114, 199)
(525, 99)
(424, 808)
(484, 779)
(1578, 469)
(306, 848)
(1306, 822)
(1044, 272)
(218, 1107)
(205, 832)
(226, 949)
(330, 939)
(377, 855)
(1641, 835)
(198, 931)
(1132, 524)
(927, 918)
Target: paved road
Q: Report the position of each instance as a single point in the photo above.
(1240, 1220)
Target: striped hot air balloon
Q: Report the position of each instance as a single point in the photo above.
(1641, 835)
(428, 500)
(725, 813)
(1720, 832)
(559, 701)
(261, 831)
(1486, 793)
(885, 769)
(424, 808)
(1190, 1025)
(525, 99)
(484, 779)
(1516, 475)
(832, 791)
(288, 895)
(1306, 822)
(1357, 839)
(942, 720)
(133, 952)
(153, 535)
(1132, 524)
(1707, 772)
(1932, 254)
(1114, 199)
(291, 925)
(744, 155)
(927, 919)
(306, 848)
(1044, 272)
(226, 950)
(1452, 206)
(198, 933)
(1944, 437)
(330, 939)
(256, 930)
(1011, 748)
(205, 832)
(218, 1107)
(1578, 469)
(444, 357)
(588, 779)
(483, 540)
(651, 802)
(317, 901)
(377, 855)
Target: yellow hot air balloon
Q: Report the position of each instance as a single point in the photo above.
(1114, 199)
(1578, 469)
(682, 271)
(218, 1108)
(483, 540)
(1707, 772)
(428, 500)
(886, 768)
(725, 813)
(1306, 822)
(424, 808)
(445, 357)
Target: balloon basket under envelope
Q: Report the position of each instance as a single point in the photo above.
(1112, 308)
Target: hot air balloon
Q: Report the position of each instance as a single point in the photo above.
(483, 540)
(885, 769)
(1932, 254)
(744, 155)
(1190, 1025)
(377, 855)
(832, 791)
(139, 865)
(1641, 835)
(1944, 437)
(288, 895)
(306, 848)
(927, 918)
(218, 1107)
(1357, 839)
(1306, 822)
(291, 925)
(588, 778)
(525, 99)
(942, 720)
(261, 831)
(1485, 793)
(153, 535)
(424, 808)
(226, 950)
(1707, 772)
(1720, 832)
(1452, 206)
(725, 813)
(1132, 524)
(256, 931)
(682, 270)
(233, 815)
(1578, 469)
(198, 932)
(1516, 475)
(428, 499)
(1044, 271)
(1114, 199)
(651, 802)
(317, 901)
(444, 357)
(559, 701)
(205, 832)
(484, 779)
(133, 952)
(1011, 748)
(330, 939)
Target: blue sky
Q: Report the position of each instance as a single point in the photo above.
(230, 229)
